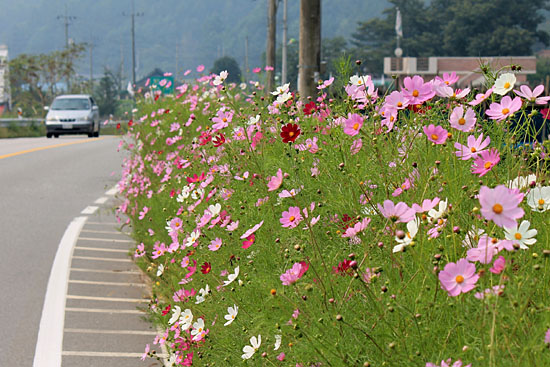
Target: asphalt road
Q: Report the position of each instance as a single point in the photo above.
(41, 191)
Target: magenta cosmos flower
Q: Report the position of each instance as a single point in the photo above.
(463, 121)
(294, 273)
(475, 147)
(353, 124)
(400, 212)
(458, 278)
(416, 91)
(504, 109)
(291, 218)
(436, 134)
(501, 205)
(485, 161)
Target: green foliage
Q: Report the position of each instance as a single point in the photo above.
(230, 64)
(543, 72)
(106, 94)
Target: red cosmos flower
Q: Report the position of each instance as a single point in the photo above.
(206, 267)
(205, 138)
(195, 178)
(166, 310)
(118, 126)
(249, 241)
(545, 113)
(310, 108)
(218, 140)
(130, 123)
(290, 132)
(344, 268)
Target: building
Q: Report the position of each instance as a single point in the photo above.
(5, 98)
(466, 68)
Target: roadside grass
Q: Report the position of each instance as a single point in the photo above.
(306, 240)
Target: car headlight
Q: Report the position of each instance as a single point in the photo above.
(51, 119)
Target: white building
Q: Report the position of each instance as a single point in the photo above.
(4, 80)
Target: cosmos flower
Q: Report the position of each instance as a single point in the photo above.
(459, 277)
(290, 132)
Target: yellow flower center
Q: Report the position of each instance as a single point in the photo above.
(506, 85)
(459, 279)
(497, 208)
(292, 218)
(392, 118)
(399, 104)
(541, 201)
(224, 119)
(461, 121)
(473, 149)
(415, 93)
(518, 236)
(291, 134)
(355, 126)
(487, 165)
(435, 137)
(505, 111)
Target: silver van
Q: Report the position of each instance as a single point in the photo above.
(72, 114)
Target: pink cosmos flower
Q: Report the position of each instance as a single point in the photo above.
(397, 100)
(143, 213)
(400, 213)
(436, 134)
(480, 97)
(251, 230)
(485, 161)
(353, 124)
(358, 227)
(326, 83)
(498, 265)
(200, 68)
(222, 119)
(249, 241)
(497, 290)
(506, 108)
(275, 181)
(291, 218)
(426, 206)
(146, 353)
(356, 146)
(215, 244)
(485, 250)
(448, 79)
(416, 91)
(281, 356)
(501, 205)
(463, 121)
(294, 273)
(533, 96)
(547, 337)
(256, 70)
(458, 278)
(475, 147)
(447, 363)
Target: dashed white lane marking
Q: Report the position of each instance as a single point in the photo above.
(101, 200)
(100, 354)
(104, 240)
(89, 209)
(108, 299)
(103, 310)
(104, 223)
(121, 332)
(104, 232)
(102, 259)
(110, 284)
(112, 191)
(100, 249)
(50, 333)
(106, 271)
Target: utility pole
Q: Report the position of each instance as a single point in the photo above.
(285, 29)
(66, 22)
(91, 67)
(133, 30)
(271, 39)
(246, 68)
(310, 47)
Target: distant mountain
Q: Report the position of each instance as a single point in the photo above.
(170, 34)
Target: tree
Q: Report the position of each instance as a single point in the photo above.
(230, 64)
(453, 28)
(106, 94)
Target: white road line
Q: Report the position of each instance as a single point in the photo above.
(89, 209)
(100, 249)
(105, 271)
(50, 333)
(100, 354)
(101, 200)
(109, 299)
(112, 191)
(110, 284)
(121, 332)
(105, 232)
(102, 259)
(105, 240)
(105, 223)
(103, 310)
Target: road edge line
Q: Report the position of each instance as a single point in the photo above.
(50, 333)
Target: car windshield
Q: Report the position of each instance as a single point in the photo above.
(71, 104)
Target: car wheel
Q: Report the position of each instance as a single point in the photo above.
(56, 135)
(49, 135)
(90, 135)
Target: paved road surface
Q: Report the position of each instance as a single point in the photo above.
(42, 190)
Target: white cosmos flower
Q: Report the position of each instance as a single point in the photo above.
(504, 84)
(176, 313)
(278, 339)
(160, 270)
(186, 319)
(281, 89)
(231, 277)
(249, 350)
(436, 214)
(472, 237)
(193, 237)
(196, 194)
(253, 120)
(521, 182)
(203, 292)
(219, 79)
(523, 236)
(231, 314)
(215, 209)
(282, 98)
(184, 194)
(539, 199)
(198, 328)
(412, 230)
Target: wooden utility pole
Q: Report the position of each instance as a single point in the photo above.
(310, 47)
(271, 39)
(284, 56)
